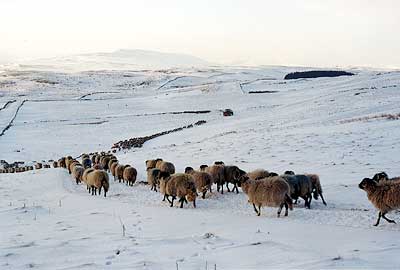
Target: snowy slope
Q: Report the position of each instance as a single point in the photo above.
(304, 125)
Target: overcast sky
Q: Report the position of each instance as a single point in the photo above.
(272, 32)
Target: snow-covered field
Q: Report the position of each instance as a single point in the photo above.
(48, 222)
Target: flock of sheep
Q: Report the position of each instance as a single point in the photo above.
(262, 187)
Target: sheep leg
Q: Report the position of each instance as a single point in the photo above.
(227, 187)
(322, 197)
(77, 181)
(388, 220)
(204, 194)
(286, 209)
(379, 219)
(181, 201)
(172, 202)
(259, 210)
(99, 190)
(217, 187)
(280, 209)
(105, 193)
(237, 189)
(255, 209)
(194, 203)
(222, 189)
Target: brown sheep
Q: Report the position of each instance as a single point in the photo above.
(110, 163)
(316, 187)
(258, 174)
(272, 191)
(77, 172)
(55, 164)
(203, 168)
(104, 162)
(113, 169)
(202, 180)
(98, 179)
(181, 185)
(38, 166)
(61, 163)
(384, 195)
(119, 171)
(71, 164)
(158, 162)
(217, 173)
(153, 176)
(165, 166)
(129, 175)
(151, 163)
(68, 159)
(97, 167)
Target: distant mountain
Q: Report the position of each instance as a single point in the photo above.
(118, 60)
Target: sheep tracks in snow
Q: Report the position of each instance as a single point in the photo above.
(139, 141)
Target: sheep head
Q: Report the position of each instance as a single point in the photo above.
(367, 184)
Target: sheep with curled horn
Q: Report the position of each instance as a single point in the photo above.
(271, 191)
(217, 173)
(96, 180)
(300, 186)
(202, 180)
(316, 187)
(232, 174)
(384, 195)
(180, 185)
(153, 178)
(129, 175)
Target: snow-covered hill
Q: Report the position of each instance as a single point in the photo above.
(335, 127)
(117, 60)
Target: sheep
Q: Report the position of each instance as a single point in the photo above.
(129, 175)
(300, 186)
(30, 168)
(151, 163)
(55, 164)
(380, 176)
(316, 187)
(158, 162)
(219, 163)
(385, 196)
(232, 175)
(119, 171)
(164, 177)
(46, 166)
(258, 174)
(98, 179)
(68, 159)
(104, 162)
(203, 168)
(86, 162)
(94, 158)
(77, 172)
(181, 185)
(165, 166)
(272, 191)
(97, 159)
(38, 166)
(271, 174)
(113, 169)
(289, 172)
(202, 180)
(98, 167)
(71, 164)
(110, 163)
(61, 163)
(153, 175)
(83, 156)
(217, 173)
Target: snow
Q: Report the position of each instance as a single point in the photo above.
(49, 222)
